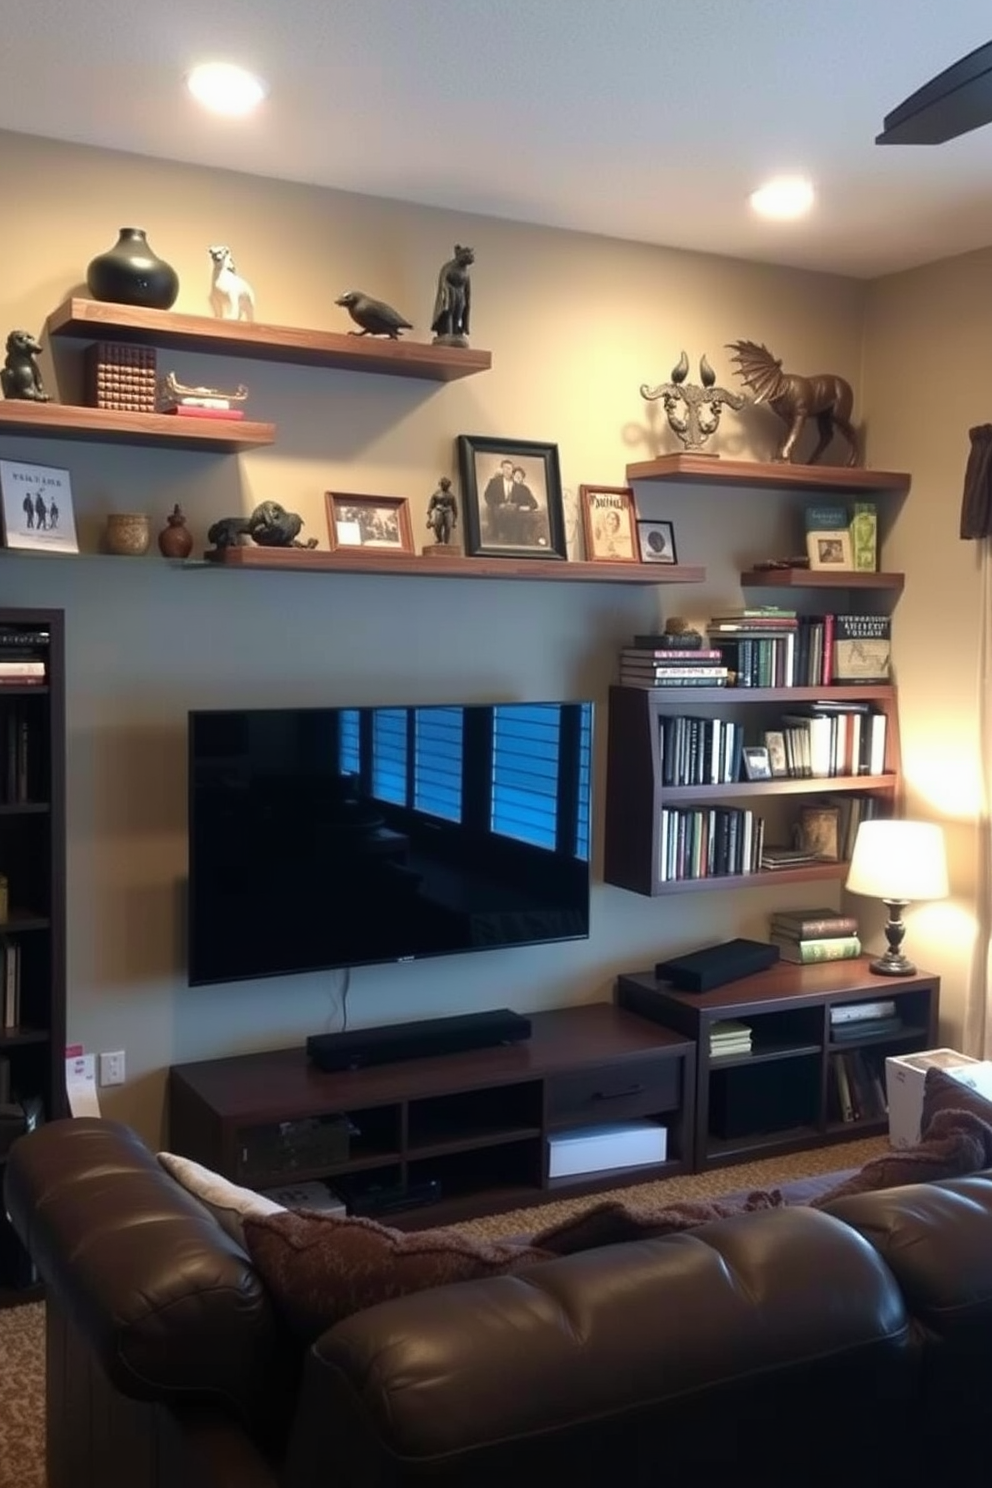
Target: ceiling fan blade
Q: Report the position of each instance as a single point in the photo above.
(956, 101)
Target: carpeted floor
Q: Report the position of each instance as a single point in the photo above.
(22, 1376)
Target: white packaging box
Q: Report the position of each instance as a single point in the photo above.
(904, 1077)
(594, 1149)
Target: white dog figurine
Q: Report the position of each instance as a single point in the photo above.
(231, 297)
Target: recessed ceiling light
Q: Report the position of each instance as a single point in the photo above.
(783, 198)
(224, 88)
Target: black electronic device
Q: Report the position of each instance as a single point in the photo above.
(701, 971)
(372, 1200)
(331, 837)
(418, 1040)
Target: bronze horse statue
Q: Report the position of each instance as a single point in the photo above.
(825, 397)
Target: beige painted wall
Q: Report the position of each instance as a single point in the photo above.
(928, 335)
(575, 324)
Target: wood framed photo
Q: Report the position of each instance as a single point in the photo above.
(379, 524)
(757, 765)
(656, 541)
(830, 549)
(37, 507)
(818, 831)
(511, 498)
(609, 524)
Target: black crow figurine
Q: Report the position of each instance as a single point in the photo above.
(375, 317)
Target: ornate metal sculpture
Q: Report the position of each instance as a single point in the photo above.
(19, 376)
(693, 411)
(825, 397)
(174, 391)
(375, 317)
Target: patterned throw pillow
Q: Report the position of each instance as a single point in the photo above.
(228, 1203)
(319, 1268)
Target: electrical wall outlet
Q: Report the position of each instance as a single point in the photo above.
(112, 1068)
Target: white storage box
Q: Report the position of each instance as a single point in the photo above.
(595, 1149)
(904, 1077)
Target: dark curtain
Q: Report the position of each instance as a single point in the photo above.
(976, 504)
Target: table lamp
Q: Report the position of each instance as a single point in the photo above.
(898, 862)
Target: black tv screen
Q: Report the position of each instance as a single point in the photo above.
(331, 837)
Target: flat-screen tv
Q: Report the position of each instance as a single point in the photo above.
(333, 837)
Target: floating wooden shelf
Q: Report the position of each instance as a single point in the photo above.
(865, 692)
(820, 578)
(94, 319)
(110, 426)
(319, 561)
(764, 879)
(712, 471)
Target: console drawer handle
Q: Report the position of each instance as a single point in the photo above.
(603, 1095)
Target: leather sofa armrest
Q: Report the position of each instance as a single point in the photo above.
(170, 1306)
(743, 1320)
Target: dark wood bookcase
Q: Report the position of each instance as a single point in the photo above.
(32, 858)
(476, 1124)
(635, 793)
(781, 1097)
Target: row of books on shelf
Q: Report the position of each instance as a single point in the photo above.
(857, 1087)
(23, 656)
(766, 646)
(820, 741)
(719, 841)
(17, 754)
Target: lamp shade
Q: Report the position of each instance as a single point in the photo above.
(899, 860)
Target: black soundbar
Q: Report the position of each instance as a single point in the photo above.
(421, 1040)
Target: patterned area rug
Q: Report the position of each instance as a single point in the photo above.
(22, 1397)
(22, 1329)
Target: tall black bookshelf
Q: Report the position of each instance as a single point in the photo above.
(32, 860)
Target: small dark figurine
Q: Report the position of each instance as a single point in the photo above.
(228, 532)
(453, 301)
(19, 376)
(825, 397)
(693, 411)
(442, 511)
(375, 317)
(272, 526)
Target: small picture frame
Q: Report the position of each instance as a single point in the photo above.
(609, 524)
(511, 498)
(777, 757)
(830, 549)
(757, 765)
(656, 541)
(369, 524)
(37, 507)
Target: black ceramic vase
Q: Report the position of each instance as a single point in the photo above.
(131, 274)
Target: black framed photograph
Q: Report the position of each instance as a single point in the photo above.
(511, 498)
(757, 765)
(656, 541)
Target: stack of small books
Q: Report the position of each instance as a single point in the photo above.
(649, 663)
(809, 935)
(729, 1037)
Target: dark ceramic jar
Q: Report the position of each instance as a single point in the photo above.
(175, 540)
(131, 274)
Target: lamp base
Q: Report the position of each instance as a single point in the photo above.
(892, 965)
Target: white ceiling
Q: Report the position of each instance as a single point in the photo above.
(643, 119)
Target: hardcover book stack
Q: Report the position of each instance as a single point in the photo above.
(729, 1036)
(757, 644)
(856, 1073)
(649, 663)
(806, 936)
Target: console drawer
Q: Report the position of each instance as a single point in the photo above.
(613, 1092)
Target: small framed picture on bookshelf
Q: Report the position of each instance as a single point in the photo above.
(777, 757)
(37, 507)
(830, 549)
(379, 523)
(656, 541)
(757, 765)
(818, 831)
(608, 524)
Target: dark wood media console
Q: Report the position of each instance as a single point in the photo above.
(476, 1124)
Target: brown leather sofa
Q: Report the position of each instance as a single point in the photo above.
(789, 1348)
